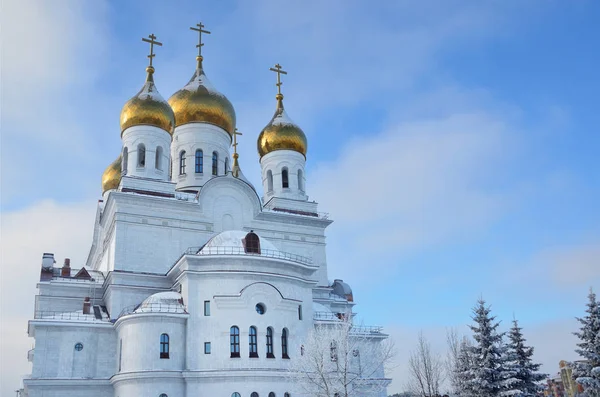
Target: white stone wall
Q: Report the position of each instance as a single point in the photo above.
(152, 138)
(275, 162)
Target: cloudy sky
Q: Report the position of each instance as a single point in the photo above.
(455, 144)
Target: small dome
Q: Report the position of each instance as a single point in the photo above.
(148, 107)
(200, 102)
(112, 176)
(340, 288)
(281, 133)
(231, 241)
(167, 302)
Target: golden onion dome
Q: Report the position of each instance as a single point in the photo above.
(112, 176)
(281, 133)
(200, 102)
(148, 107)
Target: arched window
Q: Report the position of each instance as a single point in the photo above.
(300, 181)
(285, 182)
(286, 394)
(182, 163)
(284, 343)
(158, 158)
(252, 243)
(124, 161)
(234, 341)
(253, 342)
(164, 346)
(141, 155)
(254, 394)
(271, 394)
(270, 353)
(163, 395)
(333, 351)
(236, 394)
(269, 181)
(226, 165)
(199, 161)
(215, 163)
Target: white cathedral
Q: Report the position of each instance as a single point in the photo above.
(194, 284)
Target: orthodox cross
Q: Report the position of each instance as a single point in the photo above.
(200, 31)
(277, 69)
(235, 143)
(152, 41)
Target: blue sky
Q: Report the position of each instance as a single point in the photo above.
(454, 143)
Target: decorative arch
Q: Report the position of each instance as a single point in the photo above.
(199, 161)
(285, 178)
(141, 155)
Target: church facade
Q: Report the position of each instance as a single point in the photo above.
(195, 285)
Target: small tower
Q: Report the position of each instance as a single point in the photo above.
(205, 123)
(282, 148)
(147, 123)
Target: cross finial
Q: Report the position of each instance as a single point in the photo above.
(200, 43)
(152, 41)
(277, 69)
(235, 143)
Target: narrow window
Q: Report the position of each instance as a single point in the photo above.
(286, 394)
(254, 394)
(164, 346)
(269, 181)
(182, 163)
(141, 153)
(302, 350)
(226, 165)
(234, 341)
(206, 347)
(285, 183)
(252, 341)
(284, 343)
(252, 243)
(215, 163)
(124, 161)
(300, 312)
(270, 343)
(300, 181)
(158, 158)
(163, 395)
(271, 394)
(120, 353)
(236, 395)
(207, 308)
(199, 161)
(333, 351)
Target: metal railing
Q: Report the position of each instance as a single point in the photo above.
(72, 316)
(270, 207)
(267, 253)
(356, 329)
(154, 308)
(327, 316)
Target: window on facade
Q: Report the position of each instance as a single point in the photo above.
(270, 353)
(254, 394)
(236, 395)
(124, 161)
(163, 395)
(271, 394)
(215, 163)
(286, 394)
(182, 163)
(207, 308)
(252, 243)
(79, 346)
(252, 342)
(141, 155)
(285, 182)
(199, 164)
(300, 181)
(206, 347)
(284, 343)
(226, 165)
(234, 341)
(164, 346)
(158, 158)
(299, 312)
(260, 308)
(269, 181)
(333, 351)
(302, 350)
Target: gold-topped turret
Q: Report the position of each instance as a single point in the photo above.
(199, 101)
(148, 107)
(281, 133)
(112, 176)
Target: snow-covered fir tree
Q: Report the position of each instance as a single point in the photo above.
(519, 360)
(462, 379)
(587, 371)
(488, 375)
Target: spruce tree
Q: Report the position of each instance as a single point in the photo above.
(488, 375)
(519, 360)
(587, 371)
(462, 370)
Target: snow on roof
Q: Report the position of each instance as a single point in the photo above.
(167, 302)
(233, 238)
(198, 80)
(282, 118)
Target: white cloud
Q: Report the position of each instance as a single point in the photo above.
(63, 229)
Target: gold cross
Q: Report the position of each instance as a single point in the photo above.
(277, 69)
(200, 31)
(235, 143)
(152, 41)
